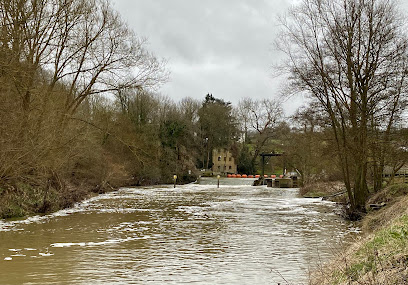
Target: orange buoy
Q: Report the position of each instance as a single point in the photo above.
(244, 176)
(250, 176)
(273, 176)
(280, 176)
(257, 176)
(238, 175)
(229, 175)
(233, 176)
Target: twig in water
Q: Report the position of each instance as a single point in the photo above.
(281, 276)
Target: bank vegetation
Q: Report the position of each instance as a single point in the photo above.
(380, 255)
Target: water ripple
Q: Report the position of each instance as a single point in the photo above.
(235, 234)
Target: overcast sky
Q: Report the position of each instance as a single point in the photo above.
(223, 47)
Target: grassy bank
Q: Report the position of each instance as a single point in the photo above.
(380, 256)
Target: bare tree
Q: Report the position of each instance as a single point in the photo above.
(351, 57)
(81, 44)
(55, 54)
(261, 118)
(305, 144)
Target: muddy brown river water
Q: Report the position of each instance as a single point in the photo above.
(194, 234)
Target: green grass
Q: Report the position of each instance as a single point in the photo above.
(386, 249)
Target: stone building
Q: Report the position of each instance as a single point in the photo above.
(223, 162)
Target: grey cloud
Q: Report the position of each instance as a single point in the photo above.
(223, 47)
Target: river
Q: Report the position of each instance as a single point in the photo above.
(193, 234)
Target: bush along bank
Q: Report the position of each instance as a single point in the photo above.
(380, 256)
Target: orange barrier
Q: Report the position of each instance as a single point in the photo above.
(244, 176)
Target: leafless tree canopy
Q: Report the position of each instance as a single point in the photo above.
(259, 117)
(81, 44)
(351, 57)
(56, 56)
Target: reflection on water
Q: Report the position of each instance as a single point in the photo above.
(194, 234)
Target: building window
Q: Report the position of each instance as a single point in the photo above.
(230, 159)
(230, 167)
(225, 158)
(219, 158)
(219, 167)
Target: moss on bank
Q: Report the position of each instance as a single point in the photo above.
(380, 257)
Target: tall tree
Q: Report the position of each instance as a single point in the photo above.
(259, 118)
(54, 56)
(351, 57)
(82, 44)
(217, 125)
(309, 146)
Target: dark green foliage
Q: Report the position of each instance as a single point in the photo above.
(245, 161)
(171, 132)
(217, 122)
(218, 128)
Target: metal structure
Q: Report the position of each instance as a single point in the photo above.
(268, 156)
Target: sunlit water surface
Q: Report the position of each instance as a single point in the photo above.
(193, 234)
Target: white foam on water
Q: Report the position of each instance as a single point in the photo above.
(123, 193)
(11, 225)
(67, 244)
(77, 208)
(46, 254)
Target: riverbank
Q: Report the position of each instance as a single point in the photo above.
(380, 255)
(20, 199)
